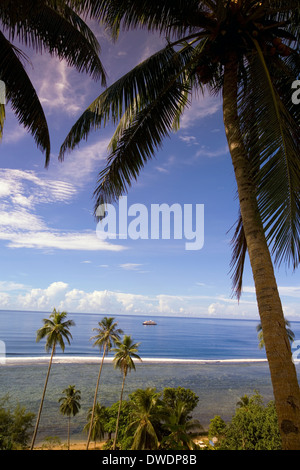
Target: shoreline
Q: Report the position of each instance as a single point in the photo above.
(27, 360)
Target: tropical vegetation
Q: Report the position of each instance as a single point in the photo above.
(254, 426)
(95, 425)
(247, 52)
(15, 426)
(125, 352)
(70, 405)
(56, 331)
(147, 419)
(107, 335)
(147, 422)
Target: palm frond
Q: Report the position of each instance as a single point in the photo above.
(274, 150)
(138, 144)
(164, 17)
(22, 96)
(127, 95)
(53, 26)
(239, 251)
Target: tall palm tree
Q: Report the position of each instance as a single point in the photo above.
(290, 334)
(96, 422)
(125, 352)
(107, 335)
(247, 52)
(56, 331)
(70, 405)
(144, 417)
(54, 26)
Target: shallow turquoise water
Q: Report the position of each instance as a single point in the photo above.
(218, 386)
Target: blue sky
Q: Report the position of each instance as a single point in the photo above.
(50, 254)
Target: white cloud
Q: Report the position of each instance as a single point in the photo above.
(130, 266)
(189, 139)
(40, 299)
(4, 300)
(232, 310)
(26, 188)
(82, 164)
(201, 108)
(284, 291)
(20, 195)
(87, 241)
(13, 133)
(205, 152)
(58, 86)
(64, 297)
(11, 286)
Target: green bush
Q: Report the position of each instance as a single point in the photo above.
(14, 426)
(253, 427)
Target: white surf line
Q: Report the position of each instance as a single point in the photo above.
(97, 359)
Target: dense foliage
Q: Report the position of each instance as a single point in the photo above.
(253, 427)
(15, 425)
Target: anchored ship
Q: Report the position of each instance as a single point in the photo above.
(149, 322)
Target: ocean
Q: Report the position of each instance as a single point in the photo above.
(170, 338)
(218, 359)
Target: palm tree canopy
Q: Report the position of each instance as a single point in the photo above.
(125, 352)
(144, 417)
(148, 102)
(53, 26)
(55, 330)
(181, 427)
(107, 334)
(70, 403)
(99, 419)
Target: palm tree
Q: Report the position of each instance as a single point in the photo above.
(54, 26)
(247, 52)
(144, 417)
(125, 352)
(107, 335)
(181, 428)
(70, 405)
(96, 419)
(290, 334)
(56, 331)
(243, 402)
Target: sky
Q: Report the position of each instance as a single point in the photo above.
(50, 250)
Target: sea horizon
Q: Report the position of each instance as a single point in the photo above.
(173, 338)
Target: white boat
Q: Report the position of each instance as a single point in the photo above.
(149, 322)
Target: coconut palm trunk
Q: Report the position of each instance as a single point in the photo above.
(119, 410)
(42, 400)
(278, 350)
(95, 398)
(69, 426)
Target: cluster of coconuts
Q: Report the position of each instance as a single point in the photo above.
(277, 46)
(204, 73)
